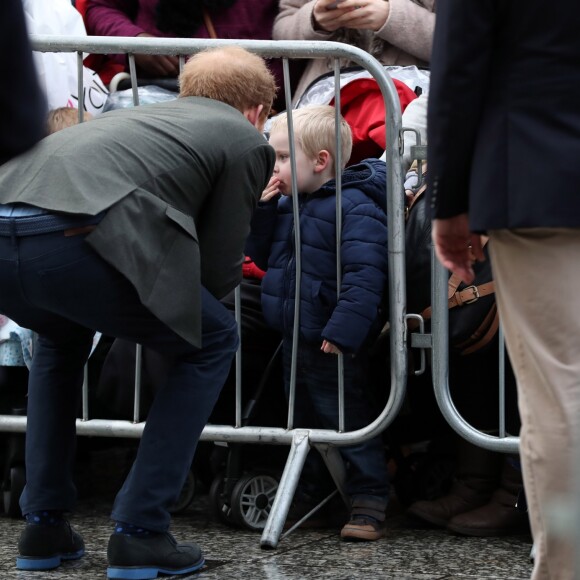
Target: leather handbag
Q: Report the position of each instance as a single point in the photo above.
(473, 316)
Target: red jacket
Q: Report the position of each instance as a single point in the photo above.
(363, 107)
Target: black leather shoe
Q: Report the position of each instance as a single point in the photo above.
(144, 557)
(44, 547)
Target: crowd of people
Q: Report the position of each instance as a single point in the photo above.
(195, 201)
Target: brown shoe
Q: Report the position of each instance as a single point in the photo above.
(499, 517)
(363, 529)
(461, 498)
(367, 520)
(477, 477)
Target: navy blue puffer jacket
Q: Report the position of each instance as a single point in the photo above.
(348, 320)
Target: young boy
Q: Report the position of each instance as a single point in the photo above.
(64, 117)
(328, 324)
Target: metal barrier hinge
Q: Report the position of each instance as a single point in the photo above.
(420, 340)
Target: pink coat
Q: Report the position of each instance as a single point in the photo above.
(404, 39)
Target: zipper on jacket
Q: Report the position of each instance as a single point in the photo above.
(288, 303)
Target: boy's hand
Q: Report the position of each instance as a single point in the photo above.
(329, 348)
(272, 189)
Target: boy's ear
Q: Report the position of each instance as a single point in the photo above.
(323, 161)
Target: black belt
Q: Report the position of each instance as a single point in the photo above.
(47, 223)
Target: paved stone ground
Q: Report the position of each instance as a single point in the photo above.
(408, 552)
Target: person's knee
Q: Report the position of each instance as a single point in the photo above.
(78, 341)
(219, 329)
(230, 337)
(222, 342)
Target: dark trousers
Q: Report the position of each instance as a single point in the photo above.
(60, 288)
(316, 406)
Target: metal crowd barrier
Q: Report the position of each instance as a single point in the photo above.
(301, 441)
(437, 341)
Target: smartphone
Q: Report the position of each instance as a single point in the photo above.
(334, 5)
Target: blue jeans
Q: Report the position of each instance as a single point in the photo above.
(60, 288)
(316, 406)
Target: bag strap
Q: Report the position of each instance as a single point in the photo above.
(455, 281)
(209, 24)
(456, 298)
(490, 324)
(483, 335)
(468, 295)
(417, 195)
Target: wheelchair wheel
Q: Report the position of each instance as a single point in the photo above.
(186, 496)
(13, 489)
(252, 499)
(220, 505)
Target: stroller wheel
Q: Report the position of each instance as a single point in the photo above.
(220, 504)
(13, 488)
(252, 499)
(186, 496)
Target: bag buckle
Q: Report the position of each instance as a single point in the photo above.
(475, 291)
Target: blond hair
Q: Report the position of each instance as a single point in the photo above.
(229, 74)
(315, 130)
(63, 117)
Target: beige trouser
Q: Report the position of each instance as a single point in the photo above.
(537, 276)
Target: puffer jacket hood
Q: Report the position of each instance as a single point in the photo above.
(369, 176)
(346, 320)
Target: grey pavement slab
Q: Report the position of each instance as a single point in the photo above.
(407, 553)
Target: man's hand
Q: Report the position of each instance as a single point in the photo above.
(456, 246)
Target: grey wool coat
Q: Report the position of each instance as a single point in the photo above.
(179, 181)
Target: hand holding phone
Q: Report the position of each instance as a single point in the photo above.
(330, 15)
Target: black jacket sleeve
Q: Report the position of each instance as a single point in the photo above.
(459, 81)
(22, 103)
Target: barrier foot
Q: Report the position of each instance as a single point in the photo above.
(289, 481)
(335, 465)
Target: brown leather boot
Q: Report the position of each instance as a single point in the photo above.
(477, 476)
(499, 517)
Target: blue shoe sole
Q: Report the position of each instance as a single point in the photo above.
(32, 563)
(149, 572)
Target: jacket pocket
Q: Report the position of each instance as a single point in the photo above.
(183, 220)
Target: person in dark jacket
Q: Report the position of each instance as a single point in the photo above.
(333, 318)
(143, 252)
(22, 103)
(504, 144)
